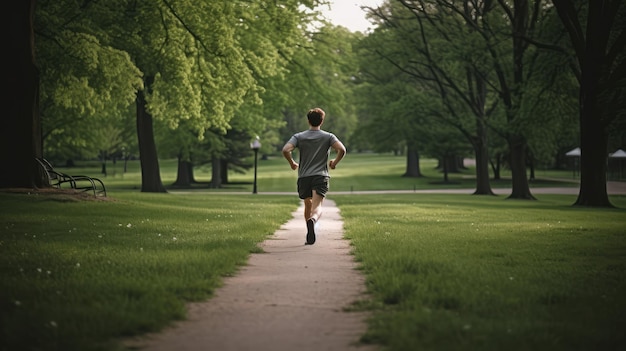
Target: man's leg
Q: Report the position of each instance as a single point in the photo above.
(315, 211)
(313, 206)
(307, 208)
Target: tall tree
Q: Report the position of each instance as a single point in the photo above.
(187, 54)
(477, 54)
(598, 34)
(20, 134)
(198, 60)
(511, 78)
(430, 45)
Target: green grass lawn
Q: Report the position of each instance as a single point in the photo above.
(456, 272)
(78, 274)
(444, 272)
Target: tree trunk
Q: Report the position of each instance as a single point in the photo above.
(192, 178)
(593, 159)
(452, 165)
(445, 162)
(20, 135)
(149, 161)
(601, 76)
(495, 167)
(483, 187)
(595, 71)
(183, 178)
(224, 171)
(459, 162)
(103, 156)
(412, 161)
(216, 179)
(519, 180)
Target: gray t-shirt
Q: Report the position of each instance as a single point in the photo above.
(314, 147)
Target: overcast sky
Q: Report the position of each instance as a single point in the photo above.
(348, 13)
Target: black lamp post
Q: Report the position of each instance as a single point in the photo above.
(255, 145)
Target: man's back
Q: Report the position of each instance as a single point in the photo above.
(314, 147)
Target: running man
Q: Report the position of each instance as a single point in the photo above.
(314, 145)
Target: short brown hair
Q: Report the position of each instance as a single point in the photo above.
(316, 116)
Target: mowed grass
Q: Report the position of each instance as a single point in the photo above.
(444, 272)
(77, 275)
(460, 272)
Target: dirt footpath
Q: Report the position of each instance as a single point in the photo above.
(289, 298)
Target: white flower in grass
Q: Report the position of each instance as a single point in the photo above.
(174, 239)
(141, 249)
(159, 234)
(53, 324)
(511, 278)
(39, 270)
(129, 225)
(77, 265)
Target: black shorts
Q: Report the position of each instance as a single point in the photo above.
(306, 185)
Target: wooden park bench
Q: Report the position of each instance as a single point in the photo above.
(61, 180)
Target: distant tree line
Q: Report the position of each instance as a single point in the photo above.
(521, 81)
(510, 84)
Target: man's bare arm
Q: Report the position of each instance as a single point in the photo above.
(341, 152)
(287, 149)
